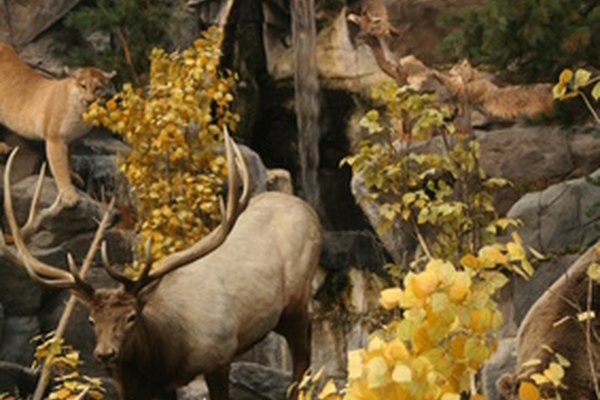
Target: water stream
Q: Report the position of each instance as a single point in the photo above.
(306, 86)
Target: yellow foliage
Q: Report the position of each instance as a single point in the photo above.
(172, 127)
(528, 391)
(448, 313)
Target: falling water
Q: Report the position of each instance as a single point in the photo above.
(306, 86)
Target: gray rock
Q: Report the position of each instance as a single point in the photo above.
(256, 168)
(256, 382)
(69, 221)
(195, 390)
(17, 345)
(524, 154)
(351, 248)
(1, 321)
(557, 218)
(398, 239)
(26, 20)
(19, 295)
(526, 292)
(15, 378)
(502, 361)
(248, 381)
(272, 352)
(342, 320)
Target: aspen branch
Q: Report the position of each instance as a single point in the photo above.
(70, 305)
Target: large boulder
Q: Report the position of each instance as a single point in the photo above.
(17, 345)
(15, 378)
(69, 222)
(556, 221)
(23, 21)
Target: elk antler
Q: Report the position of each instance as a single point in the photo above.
(38, 270)
(236, 203)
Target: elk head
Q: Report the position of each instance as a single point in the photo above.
(114, 312)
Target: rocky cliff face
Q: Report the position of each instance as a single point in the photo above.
(546, 164)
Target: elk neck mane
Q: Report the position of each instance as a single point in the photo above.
(152, 352)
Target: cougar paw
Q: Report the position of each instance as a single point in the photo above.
(69, 198)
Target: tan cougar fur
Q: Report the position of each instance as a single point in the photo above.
(40, 108)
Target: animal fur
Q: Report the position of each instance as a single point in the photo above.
(566, 298)
(502, 102)
(40, 108)
(204, 314)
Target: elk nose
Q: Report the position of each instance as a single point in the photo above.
(105, 356)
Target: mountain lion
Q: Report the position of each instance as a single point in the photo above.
(40, 108)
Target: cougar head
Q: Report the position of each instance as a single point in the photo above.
(92, 83)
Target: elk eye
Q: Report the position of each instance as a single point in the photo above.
(131, 318)
(91, 321)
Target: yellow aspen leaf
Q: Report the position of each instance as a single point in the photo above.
(62, 393)
(329, 391)
(562, 360)
(317, 376)
(457, 346)
(539, 379)
(528, 391)
(424, 283)
(494, 255)
(515, 251)
(532, 362)
(481, 320)
(375, 344)
(439, 302)
(582, 77)
(420, 339)
(477, 397)
(593, 272)
(111, 105)
(586, 315)
(596, 91)
(554, 373)
(536, 253)
(445, 271)
(376, 372)
(401, 373)
(390, 298)
(396, 350)
(450, 396)
(470, 261)
(355, 364)
(460, 288)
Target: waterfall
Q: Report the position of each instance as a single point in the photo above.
(306, 96)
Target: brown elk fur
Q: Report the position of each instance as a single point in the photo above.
(567, 297)
(201, 316)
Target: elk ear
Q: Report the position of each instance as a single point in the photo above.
(83, 297)
(144, 295)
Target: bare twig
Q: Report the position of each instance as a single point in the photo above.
(68, 310)
(127, 55)
(590, 107)
(421, 240)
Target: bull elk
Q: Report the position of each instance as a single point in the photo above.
(198, 308)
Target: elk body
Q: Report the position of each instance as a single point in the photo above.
(201, 307)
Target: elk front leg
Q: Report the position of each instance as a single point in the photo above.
(294, 326)
(218, 383)
(57, 153)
